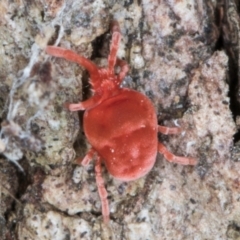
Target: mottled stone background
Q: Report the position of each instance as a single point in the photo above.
(184, 55)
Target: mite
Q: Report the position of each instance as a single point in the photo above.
(119, 123)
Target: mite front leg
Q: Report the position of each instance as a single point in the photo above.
(73, 57)
(124, 69)
(172, 158)
(102, 190)
(116, 37)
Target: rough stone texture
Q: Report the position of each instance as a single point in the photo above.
(8, 189)
(171, 47)
(231, 39)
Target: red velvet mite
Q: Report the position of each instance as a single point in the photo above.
(119, 123)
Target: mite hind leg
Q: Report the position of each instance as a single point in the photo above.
(88, 157)
(169, 130)
(99, 180)
(102, 190)
(173, 158)
(167, 154)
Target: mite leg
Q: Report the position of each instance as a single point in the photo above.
(73, 57)
(100, 183)
(116, 37)
(102, 190)
(169, 130)
(124, 69)
(88, 157)
(91, 102)
(172, 158)
(90, 66)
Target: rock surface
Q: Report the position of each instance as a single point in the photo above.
(173, 51)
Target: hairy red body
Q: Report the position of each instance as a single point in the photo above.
(128, 147)
(120, 123)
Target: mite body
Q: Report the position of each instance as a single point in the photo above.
(127, 138)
